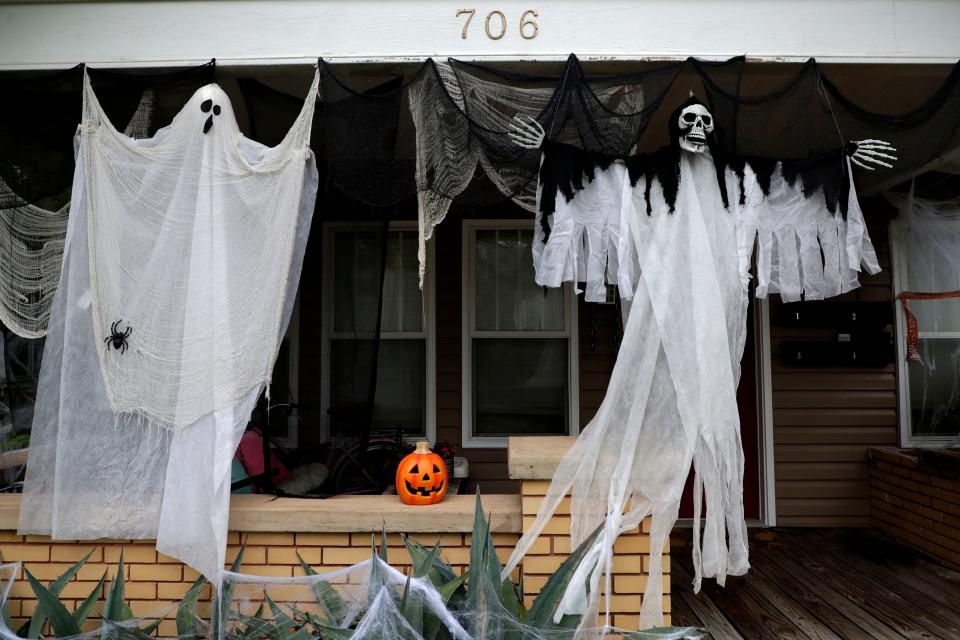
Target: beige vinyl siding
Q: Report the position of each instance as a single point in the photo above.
(826, 419)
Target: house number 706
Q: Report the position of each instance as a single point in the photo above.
(495, 24)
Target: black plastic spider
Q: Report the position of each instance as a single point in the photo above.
(116, 339)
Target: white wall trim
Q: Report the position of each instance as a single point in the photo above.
(156, 33)
(767, 451)
(468, 440)
(292, 435)
(899, 276)
(429, 325)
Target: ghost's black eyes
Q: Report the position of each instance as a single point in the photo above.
(689, 117)
(706, 119)
(205, 106)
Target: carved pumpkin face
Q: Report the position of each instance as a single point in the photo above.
(422, 477)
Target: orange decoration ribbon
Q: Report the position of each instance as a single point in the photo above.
(913, 330)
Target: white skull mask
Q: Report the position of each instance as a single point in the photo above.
(696, 124)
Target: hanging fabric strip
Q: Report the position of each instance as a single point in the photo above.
(686, 227)
(194, 274)
(441, 134)
(671, 401)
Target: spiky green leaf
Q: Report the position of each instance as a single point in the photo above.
(224, 598)
(60, 619)
(422, 567)
(115, 608)
(86, 607)
(333, 606)
(383, 543)
(541, 613)
(329, 632)
(448, 589)
(187, 611)
(38, 618)
(153, 626)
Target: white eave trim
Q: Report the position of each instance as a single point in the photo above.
(281, 33)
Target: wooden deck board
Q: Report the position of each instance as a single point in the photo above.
(821, 584)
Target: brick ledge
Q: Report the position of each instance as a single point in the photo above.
(346, 514)
(536, 457)
(945, 462)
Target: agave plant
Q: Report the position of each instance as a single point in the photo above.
(475, 603)
(118, 622)
(483, 605)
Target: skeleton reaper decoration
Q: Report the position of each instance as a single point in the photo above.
(675, 231)
(695, 124)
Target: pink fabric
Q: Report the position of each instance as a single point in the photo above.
(250, 454)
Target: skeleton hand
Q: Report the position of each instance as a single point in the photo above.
(526, 132)
(864, 153)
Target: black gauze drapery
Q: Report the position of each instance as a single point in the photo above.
(39, 116)
(460, 113)
(38, 119)
(358, 241)
(445, 125)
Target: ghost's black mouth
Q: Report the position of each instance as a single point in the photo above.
(423, 491)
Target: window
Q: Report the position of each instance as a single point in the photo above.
(519, 341)
(405, 391)
(285, 383)
(929, 390)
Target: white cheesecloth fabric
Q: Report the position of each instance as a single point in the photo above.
(165, 234)
(671, 400)
(805, 251)
(31, 252)
(584, 236)
(31, 248)
(929, 232)
(927, 235)
(450, 155)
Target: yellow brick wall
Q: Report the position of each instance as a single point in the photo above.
(155, 581)
(916, 502)
(631, 561)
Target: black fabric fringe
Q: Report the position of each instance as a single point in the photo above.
(567, 170)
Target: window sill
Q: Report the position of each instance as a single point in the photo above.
(346, 513)
(536, 457)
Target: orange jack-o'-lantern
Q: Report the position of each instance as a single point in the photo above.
(422, 476)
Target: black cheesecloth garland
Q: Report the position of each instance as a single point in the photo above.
(442, 130)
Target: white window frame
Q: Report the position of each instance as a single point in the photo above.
(898, 262)
(428, 333)
(468, 332)
(290, 438)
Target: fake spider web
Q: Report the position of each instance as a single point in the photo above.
(408, 591)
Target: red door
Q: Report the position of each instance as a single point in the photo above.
(749, 401)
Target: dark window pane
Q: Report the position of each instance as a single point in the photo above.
(401, 385)
(519, 386)
(935, 388)
(506, 296)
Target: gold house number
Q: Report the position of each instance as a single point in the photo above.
(495, 23)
